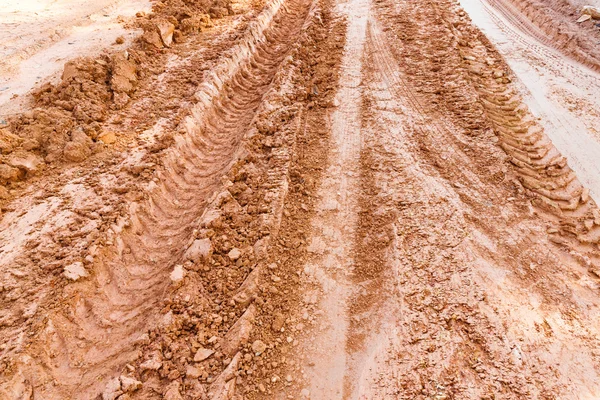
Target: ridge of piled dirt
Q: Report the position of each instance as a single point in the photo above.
(230, 236)
(554, 24)
(319, 200)
(70, 121)
(227, 340)
(462, 208)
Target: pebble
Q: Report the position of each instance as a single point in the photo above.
(234, 254)
(278, 322)
(203, 354)
(107, 137)
(258, 347)
(172, 392)
(193, 372)
(129, 384)
(112, 390)
(200, 249)
(177, 274)
(152, 365)
(75, 271)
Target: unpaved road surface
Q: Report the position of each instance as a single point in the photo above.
(39, 37)
(307, 199)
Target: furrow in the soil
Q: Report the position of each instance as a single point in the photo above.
(550, 27)
(541, 168)
(455, 290)
(542, 46)
(97, 329)
(334, 225)
(449, 212)
(572, 130)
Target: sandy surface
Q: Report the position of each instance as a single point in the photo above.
(39, 37)
(362, 199)
(559, 91)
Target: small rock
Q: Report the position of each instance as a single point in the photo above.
(234, 254)
(29, 163)
(212, 339)
(166, 30)
(69, 71)
(193, 372)
(584, 18)
(209, 217)
(592, 11)
(172, 392)
(240, 332)
(202, 354)
(129, 384)
(200, 250)
(76, 152)
(8, 173)
(153, 38)
(278, 322)
(249, 289)
(305, 393)
(79, 136)
(259, 347)
(107, 137)
(124, 74)
(151, 365)
(75, 271)
(120, 99)
(112, 390)
(177, 274)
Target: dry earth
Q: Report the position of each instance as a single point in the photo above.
(304, 199)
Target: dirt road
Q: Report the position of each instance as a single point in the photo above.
(362, 199)
(38, 38)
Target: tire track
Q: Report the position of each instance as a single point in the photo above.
(440, 304)
(331, 260)
(430, 206)
(97, 331)
(542, 169)
(548, 53)
(547, 26)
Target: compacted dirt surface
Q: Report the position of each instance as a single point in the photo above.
(301, 199)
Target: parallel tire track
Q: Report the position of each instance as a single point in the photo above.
(98, 329)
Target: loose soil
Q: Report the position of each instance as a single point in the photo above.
(308, 199)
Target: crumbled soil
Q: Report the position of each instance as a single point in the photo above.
(294, 199)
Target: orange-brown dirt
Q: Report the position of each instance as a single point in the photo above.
(554, 24)
(304, 199)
